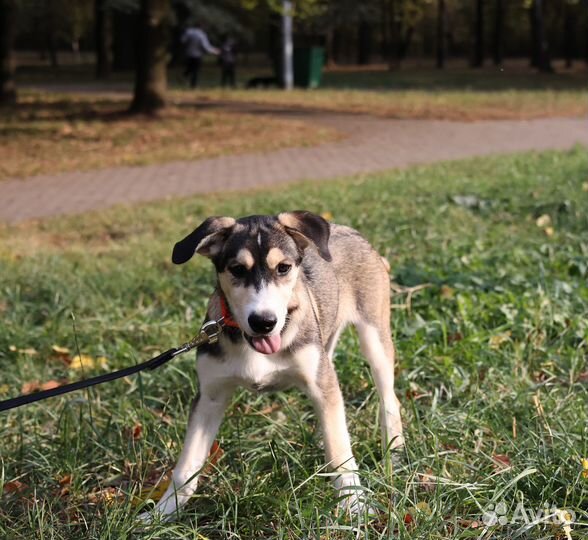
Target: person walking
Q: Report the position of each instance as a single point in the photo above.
(195, 43)
(228, 57)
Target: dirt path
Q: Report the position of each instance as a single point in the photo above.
(371, 145)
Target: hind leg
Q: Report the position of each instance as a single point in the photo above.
(376, 345)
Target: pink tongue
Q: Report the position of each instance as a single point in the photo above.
(267, 344)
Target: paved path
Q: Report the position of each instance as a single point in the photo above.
(372, 144)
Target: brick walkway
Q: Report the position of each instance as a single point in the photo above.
(372, 144)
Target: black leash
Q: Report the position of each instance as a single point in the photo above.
(209, 333)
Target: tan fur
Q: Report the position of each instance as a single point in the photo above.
(274, 257)
(245, 258)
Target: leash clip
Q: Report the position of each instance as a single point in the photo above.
(209, 334)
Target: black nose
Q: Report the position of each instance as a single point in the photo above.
(262, 323)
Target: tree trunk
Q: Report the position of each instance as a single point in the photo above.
(7, 25)
(103, 36)
(150, 70)
(534, 43)
(541, 46)
(441, 14)
(498, 31)
(569, 35)
(364, 43)
(478, 60)
(51, 36)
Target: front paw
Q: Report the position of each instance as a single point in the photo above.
(354, 504)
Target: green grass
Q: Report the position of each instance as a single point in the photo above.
(498, 338)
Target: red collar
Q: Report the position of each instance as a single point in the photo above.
(226, 312)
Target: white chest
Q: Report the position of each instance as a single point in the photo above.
(243, 366)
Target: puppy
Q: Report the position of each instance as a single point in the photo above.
(287, 286)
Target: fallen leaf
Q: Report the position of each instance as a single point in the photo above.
(424, 507)
(427, 481)
(49, 385)
(153, 492)
(446, 292)
(59, 350)
(35, 386)
(65, 480)
(454, 338)
(408, 519)
(585, 186)
(543, 221)
(15, 486)
(216, 452)
(108, 496)
(468, 523)
(29, 351)
(498, 340)
(501, 461)
(84, 361)
(4, 389)
(549, 231)
(327, 215)
(31, 386)
(137, 431)
(585, 468)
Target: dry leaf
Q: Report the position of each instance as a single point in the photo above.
(446, 292)
(501, 461)
(327, 215)
(59, 350)
(154, 492)
(543, 221)
(15, 486)
(137, 431)
(4, 389)
(216, 452)
(65, 480)
(549, 231)
(454, 338)
(107, 496)
(35, 386)
(30, 351)
(468, 523)
(498, 340)
(585, 468)
(84, 361)
(585, 186)
(424, 507)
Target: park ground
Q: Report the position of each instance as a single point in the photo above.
(489, 281)
(491, 301)
(70, 129)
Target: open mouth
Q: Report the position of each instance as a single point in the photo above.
(265, 344)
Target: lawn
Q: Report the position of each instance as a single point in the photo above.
(492, 371)
(48, 134)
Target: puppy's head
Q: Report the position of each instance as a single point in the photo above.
(258, 259)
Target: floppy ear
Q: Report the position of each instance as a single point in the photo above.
(306, 228)
(206, 240)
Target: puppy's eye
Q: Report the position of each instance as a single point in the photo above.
(238, 270)
(283, 269)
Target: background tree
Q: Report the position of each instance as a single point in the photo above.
(151, 61)
(7, 30)
(498, 36)
(478, 59)
(103, 38)
(440, 41)
(540, 57)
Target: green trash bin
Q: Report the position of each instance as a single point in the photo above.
(308, 66)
